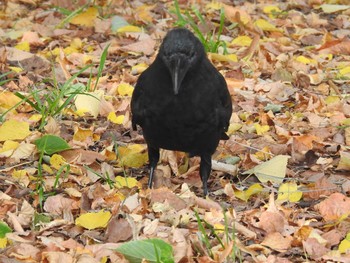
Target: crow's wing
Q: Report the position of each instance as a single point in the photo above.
(137, 107)
(225, 109)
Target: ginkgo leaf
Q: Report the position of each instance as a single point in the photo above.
(245, 195)
(129, 28)
(93, 220)
(224, 58)
(273, 170)
(115, 119)
(118, 22)
(125, 89)
(86, 18)
(344, 162)
(8, 147)
(89, 102)
(243, 41)
(139, 68)
(266, 26)
(24, 46)
(329, 8)
(344, 246)
(7, 128)
(270, 9)
(261, 129)
(289, 192)
(57, 161)
(82, 135)
(305, 60)
(133, 155)
(8, 99)
(128, 182)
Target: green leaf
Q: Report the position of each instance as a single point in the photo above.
(4, 229)
(153, 250)
(273, 170)
(273, 107)
(40, 218)
(50, 144)
(118, 22)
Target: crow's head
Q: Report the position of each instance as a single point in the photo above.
(180, 52)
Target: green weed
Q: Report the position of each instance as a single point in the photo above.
(211, 41)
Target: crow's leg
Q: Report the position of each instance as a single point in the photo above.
(153, 156)
(204, 171)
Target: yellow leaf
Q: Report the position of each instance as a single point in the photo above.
(326, 56)
(24, 46)
(344, 162)
(3, 242)
(135, 160)
(233, 128)
(345, 122)
(139, 68)
(93, 220)
(225, 58)
(115, 119)
(128, 182)
(129, 28)
(35, 117)
(329, 8)
(76, 43)
(143, 13)
(47, 169)
(243, 41)
(90, 101)
(344, 246)
(305, 60)
(331, 99)
(82, 135)
(125, 89)
(69, 50)
(272, 10)
(133, 156)
(289, 192)
(273, 170)
(219, 228)
(266, 26)
(245, 195)
(344, 71)
(216, 5)
(57, 161)
(86, 18)
(7, 130)
(8, 100)
(16, 69)
(18, 174)
(263, 154)
(8, 147)
(261, 129)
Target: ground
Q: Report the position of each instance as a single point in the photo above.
(73, 175)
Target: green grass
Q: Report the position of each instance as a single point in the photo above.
(211, 40)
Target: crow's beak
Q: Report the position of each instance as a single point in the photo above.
(178, 72)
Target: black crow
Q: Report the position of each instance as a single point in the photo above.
(182, 102)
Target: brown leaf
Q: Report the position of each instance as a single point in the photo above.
(334, 207)
(164, 194)
(277, 242)
(118, 229)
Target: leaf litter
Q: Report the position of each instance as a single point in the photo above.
(279, 186)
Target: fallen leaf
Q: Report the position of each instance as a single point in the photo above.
(7, 128)
(93, 220)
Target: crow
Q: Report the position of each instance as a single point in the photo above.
(181, 102)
